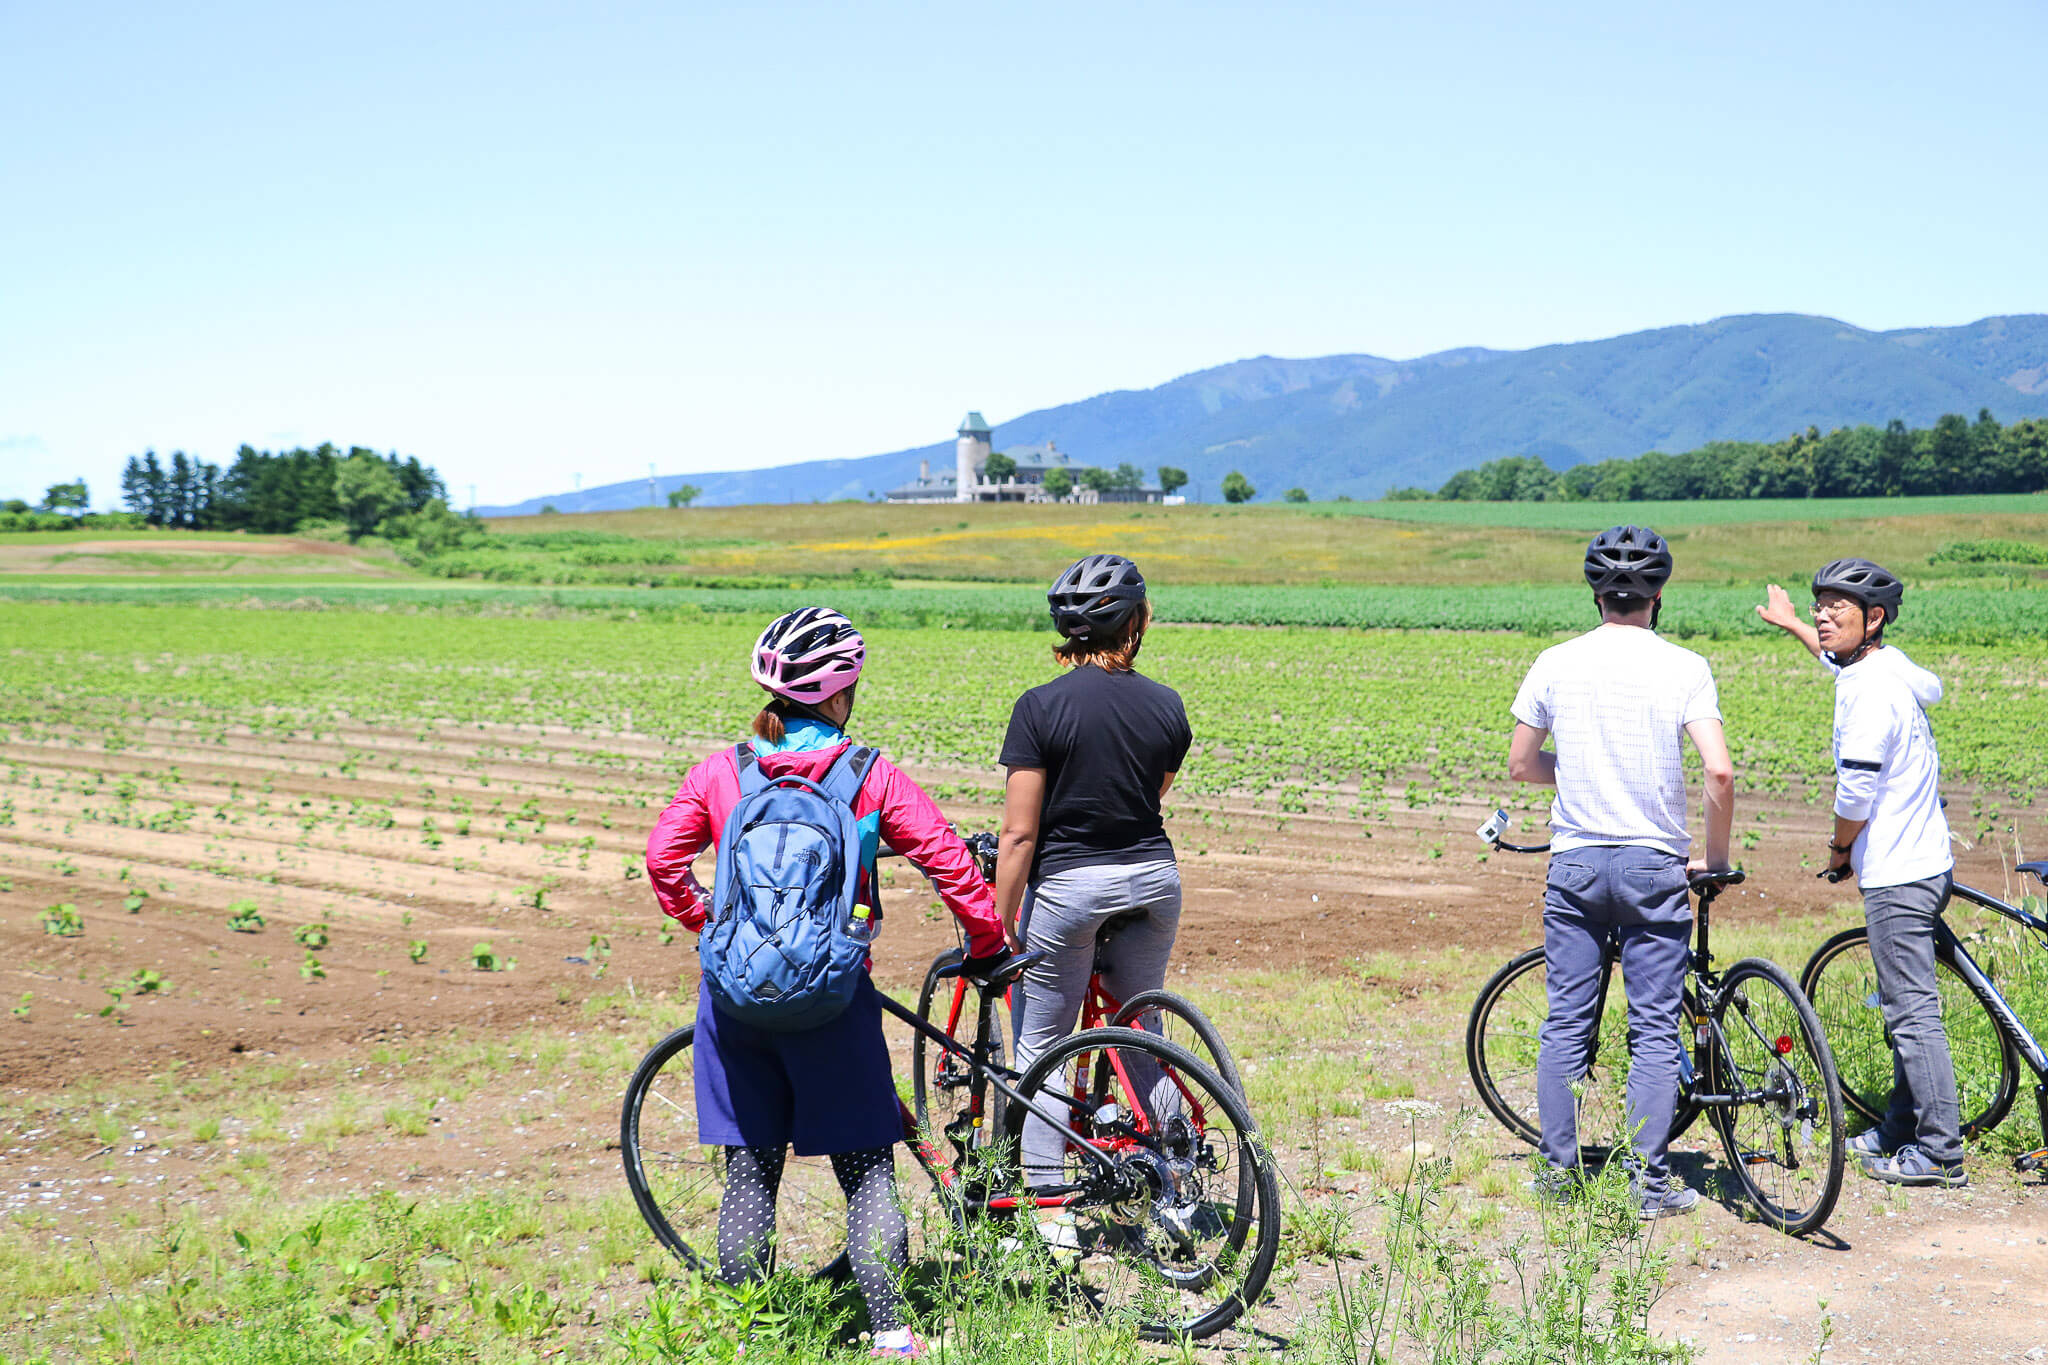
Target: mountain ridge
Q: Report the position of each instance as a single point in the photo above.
(1357, 424)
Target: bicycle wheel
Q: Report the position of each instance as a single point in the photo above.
(1502, 1038)
(942, 1083)
(1178, 1021)
(1784, 1138)
(1177, 1233)
(1841, 980)
(678, 1184)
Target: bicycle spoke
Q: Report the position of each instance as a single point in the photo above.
(1173, 1227)
(1842, 981)
(1784, 1133)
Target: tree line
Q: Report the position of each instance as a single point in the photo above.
(1952, 456)
(282, 491)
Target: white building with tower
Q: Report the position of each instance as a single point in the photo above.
(969, 480)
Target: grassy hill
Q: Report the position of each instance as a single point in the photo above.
(1360, 424)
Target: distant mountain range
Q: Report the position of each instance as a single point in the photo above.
(1360, 424)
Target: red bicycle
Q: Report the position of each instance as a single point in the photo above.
(1170, 1200)
(940, 1079)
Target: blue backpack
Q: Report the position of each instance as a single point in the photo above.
(787, 942)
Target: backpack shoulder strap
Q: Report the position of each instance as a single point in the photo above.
(848, 773)
(748, 764)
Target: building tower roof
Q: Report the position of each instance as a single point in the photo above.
(973, 425)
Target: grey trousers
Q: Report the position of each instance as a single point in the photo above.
(1061, 919)
(1923, 1106)
(1637, 895)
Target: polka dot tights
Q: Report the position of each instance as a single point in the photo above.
(877, 1240)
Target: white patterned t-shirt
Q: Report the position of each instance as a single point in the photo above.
(1616, 701)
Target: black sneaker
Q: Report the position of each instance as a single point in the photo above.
(1911, 1165)
(1554, 1184)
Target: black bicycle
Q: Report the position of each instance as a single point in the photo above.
(1760, 1064)
(1164, 1213)
(1986, 1036)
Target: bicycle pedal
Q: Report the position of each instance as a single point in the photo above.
(2031, 1161)
(1758, 1159)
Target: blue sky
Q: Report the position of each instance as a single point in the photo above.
(530, 243)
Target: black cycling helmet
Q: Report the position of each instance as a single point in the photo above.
(1095, 595)
(1628, 561)
(1873, 585)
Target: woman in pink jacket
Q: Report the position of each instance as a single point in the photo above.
(826, 1091)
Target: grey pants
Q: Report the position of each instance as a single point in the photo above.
(1637, 895)
(1923, 1108)
(1061, 919)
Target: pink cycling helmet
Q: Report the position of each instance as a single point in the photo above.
(809, 655)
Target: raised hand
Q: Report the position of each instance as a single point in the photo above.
(1778, 609)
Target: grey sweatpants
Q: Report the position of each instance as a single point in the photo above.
(1923, 1108)
(1594, 894)
(1061, 919)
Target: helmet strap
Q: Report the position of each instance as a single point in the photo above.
(1872, 639)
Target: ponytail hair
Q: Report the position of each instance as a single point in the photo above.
(769, 725)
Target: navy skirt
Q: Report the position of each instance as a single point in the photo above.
(823, 1091)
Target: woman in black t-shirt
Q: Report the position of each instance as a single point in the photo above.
(1090, 754)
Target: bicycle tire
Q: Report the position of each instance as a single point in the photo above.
(1239, 1209)
(935, 1073)
(1841, 981)
(1501, 1041)
(1199, 1025)
(1786, 1145)
(678, 1185)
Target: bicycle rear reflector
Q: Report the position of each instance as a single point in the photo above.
(1784, 1045)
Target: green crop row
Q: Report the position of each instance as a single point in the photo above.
(1671, 516)
(1946, 614)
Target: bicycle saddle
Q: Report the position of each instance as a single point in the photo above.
(1707, 885)
(2039, 870)
(1005, 973)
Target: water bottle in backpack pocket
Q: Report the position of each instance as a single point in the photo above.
(784, 948)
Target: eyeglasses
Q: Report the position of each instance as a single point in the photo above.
(1831, 610)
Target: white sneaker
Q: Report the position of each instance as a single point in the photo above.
(1062, 1238)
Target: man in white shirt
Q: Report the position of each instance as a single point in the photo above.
(1891, 834)
(1620, 702)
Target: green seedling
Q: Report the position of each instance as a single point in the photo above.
(244, 918)
(485, 959)
(311, 970)
(64, 867)
(146, 981)
(310, 936)
(417, 950)
(132, 902)
(20, 1011)
(600, 954)
(63, 920)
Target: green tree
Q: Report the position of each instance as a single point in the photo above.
(1172, 480)
(999, 467)
(683, 496)
(1127, 476)
(1058, 483)
(1099, 480)
(366, 492)
(66, 497)
(1237, 488)
(1297, 495)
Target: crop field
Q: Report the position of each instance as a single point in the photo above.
(1591, 516)
(327, 956)
(1958, 613)
(1450, 544)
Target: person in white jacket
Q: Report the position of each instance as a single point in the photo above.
(1891, 834)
